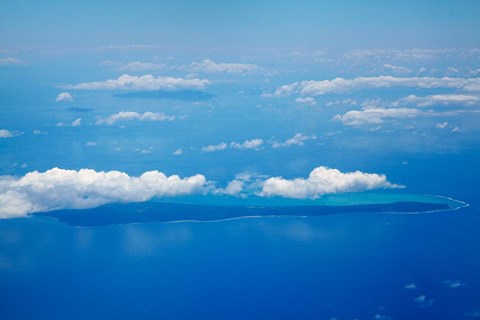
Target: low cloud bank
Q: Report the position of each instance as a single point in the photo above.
(86, 188)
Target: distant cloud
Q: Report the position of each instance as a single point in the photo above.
(423, 301)
(247, 144)
(349, 102)
(87, 188)
(64, 96)
(209, 66)
(410, 286)
(38, 132)
(453, 283)
(442, 125)
(297, 140)
(178, 152)
(323, 180)
(253, 144)
(146, 82)
(91, 143)
(4, 133)
(10, 61)
(134, 66)
(128, 47)
(443, 100)
(341, 85)
(396, 69)
(398, 54)
(75, 123)
(131, 115)
(234, 188)
(216, 147)
(375, 115)
(308, 101)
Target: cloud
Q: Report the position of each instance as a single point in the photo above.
(247, 144)
(308, 101)
(64, 96)
(234, 187)
(410, 286)
(91, 143)
(441, 125)
(86, 188)
(209, 66)
(403, 54)
(396, 69)
(422, 301)
(38, 132)
(375, 115)
(253, 144)
(453, 283)
(349, 102)
(323, 180)
(443, 100)
(216, 147)
(146, 82)
(341, 85)
(134, 66)
(75, 123)
(244, 183)
(10, 61)
(178, 152)
(4, 133)
(128, 47)
(296, 140)
(131, 115)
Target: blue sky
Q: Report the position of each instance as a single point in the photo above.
(249, 95)
(243, 26)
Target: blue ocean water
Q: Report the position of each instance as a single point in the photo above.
(350, 266)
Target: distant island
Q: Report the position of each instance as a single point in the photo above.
(215, 208)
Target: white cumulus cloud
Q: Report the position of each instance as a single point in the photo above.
(215, 147)
(308, 101)
(64, 96)
(375, 115)
(77, 122)
(253, 144)
(86, 188)
(131, 115)
(323, 180)
(146, 82)
(178, 152)
(297, 140)
(247, 144)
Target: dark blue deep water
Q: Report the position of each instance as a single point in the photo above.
(347, 266)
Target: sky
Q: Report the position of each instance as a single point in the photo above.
(130, 101)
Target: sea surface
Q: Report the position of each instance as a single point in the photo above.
(342, 266)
